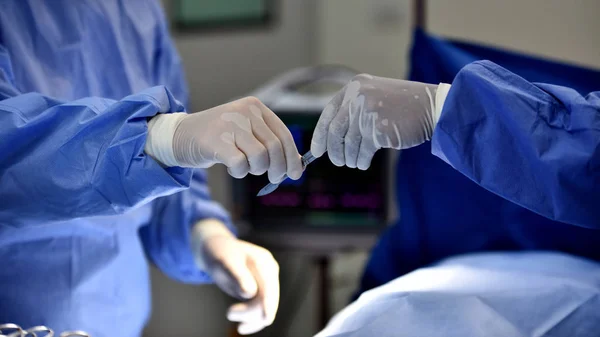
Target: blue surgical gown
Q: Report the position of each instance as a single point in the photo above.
(515, 166)
(81, 205)
(494, 294)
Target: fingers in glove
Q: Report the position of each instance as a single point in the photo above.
(266, 272)
(234, 159)
(350, 107)
(255, 152)
(293, 159)
(235, 278)
(260, 312)
(353, 137)
(250, 328)
(318, 145)
(250, 315)
(336, 137)
(247, 312)
(365, 154)
(277, 160)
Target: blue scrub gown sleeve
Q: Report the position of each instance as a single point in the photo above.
(63, 160)
(537, 145)
(166, 238)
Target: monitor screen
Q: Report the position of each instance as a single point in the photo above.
(326, 197)
(198, 14)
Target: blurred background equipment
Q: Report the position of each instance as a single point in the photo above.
(225, 14)
(329, 208)
(369, 36)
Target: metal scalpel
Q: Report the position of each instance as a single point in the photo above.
(307, 158)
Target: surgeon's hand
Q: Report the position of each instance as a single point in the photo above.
(242, 270)
(244, 135)
(371, 113)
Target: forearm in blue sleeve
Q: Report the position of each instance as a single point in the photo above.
(537, 145)
(167, 237)
(63, 160)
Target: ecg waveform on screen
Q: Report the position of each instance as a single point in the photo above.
(322, 201)
(282, 199)
(370, 201)
(325, 196)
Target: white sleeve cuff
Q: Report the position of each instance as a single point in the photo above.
(440, 97)
(159, 143)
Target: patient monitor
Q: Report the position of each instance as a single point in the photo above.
(329, 208)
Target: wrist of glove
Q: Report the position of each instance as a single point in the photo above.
(159, 143)
(242, 270)
(244, 135)
(443, 89)
(371, 113)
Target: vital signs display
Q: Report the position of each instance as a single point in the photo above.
(326, 196)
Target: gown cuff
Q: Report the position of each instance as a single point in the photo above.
(159, 144)
(440, 97)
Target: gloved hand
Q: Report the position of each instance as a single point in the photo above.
(244, 135)
(371, 113)
(242, 270)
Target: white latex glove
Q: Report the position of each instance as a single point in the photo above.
(371, 113)
(244, 135)
(242, 270)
